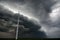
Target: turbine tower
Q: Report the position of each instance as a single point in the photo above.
(17, 26)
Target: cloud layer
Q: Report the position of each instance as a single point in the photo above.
(32, 24)
(45, 11)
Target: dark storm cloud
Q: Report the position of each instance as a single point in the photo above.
(27, 23)
(37, 8)
(33, 31)
(33, 28)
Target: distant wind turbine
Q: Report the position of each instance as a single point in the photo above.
(17, 27)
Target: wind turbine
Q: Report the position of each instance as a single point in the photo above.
(17, 26)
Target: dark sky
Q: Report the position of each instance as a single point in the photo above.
(46, 12)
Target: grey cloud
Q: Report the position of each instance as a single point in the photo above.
(39, 9)
(27, 23)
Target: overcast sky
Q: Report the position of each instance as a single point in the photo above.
(46, 12)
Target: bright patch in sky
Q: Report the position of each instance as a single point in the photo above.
(54, 15)
(54, 12)
(13, 10)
